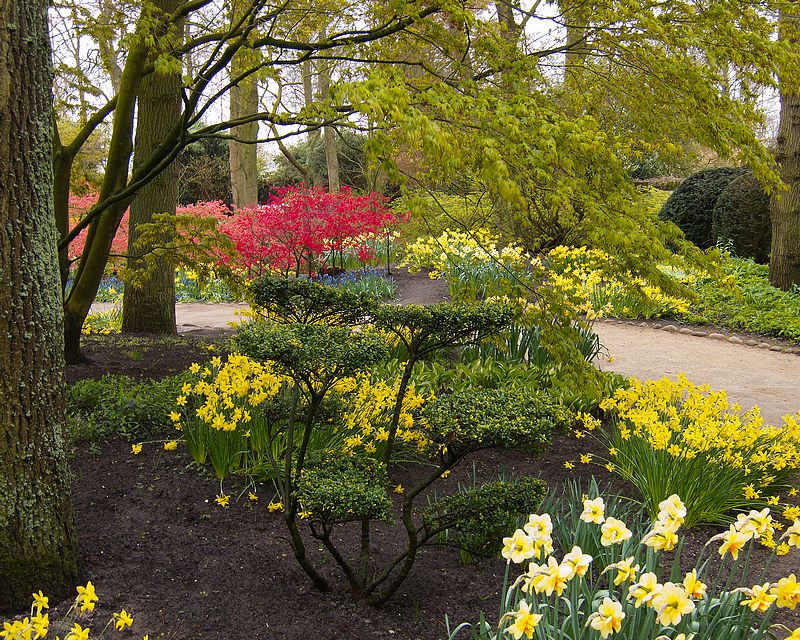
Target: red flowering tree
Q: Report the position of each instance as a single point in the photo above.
(309, 228)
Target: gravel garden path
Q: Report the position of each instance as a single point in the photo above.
(751, 375)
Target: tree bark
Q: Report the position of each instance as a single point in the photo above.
(38, 548)
(243, 148)
(328, 132)
(150, 308)
(784, 263)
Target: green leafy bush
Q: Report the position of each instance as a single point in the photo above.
(481, 418)
(342, 488)
(478, 517)
(119, 404)
(691, 205)
(741, 219)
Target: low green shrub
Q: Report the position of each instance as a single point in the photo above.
(119, 404)
(477, 517)
(341, 488)
(749, 304)
(481, 418)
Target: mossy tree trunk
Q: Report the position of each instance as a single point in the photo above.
(150, 308)
(38, 548)
(784, 264)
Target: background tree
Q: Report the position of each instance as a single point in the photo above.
(150, 306)
(784, 264)
(38, 549)
(243, 105)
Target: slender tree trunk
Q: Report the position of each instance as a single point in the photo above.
(38, 548)
(307, 71)
(102, 230)
(328, 132)
(150, 308)
(243, 150)
(784, 263)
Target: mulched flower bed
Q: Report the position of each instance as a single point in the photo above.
(153, 541)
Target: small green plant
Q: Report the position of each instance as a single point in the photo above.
(118, 404)
(476, 517)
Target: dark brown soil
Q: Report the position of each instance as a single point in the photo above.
(153, 541)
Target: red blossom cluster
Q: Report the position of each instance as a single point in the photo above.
(307, 228)
(299, 229)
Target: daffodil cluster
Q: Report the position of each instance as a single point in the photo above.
(226, 394)
(671, 435)
(596, 285)
(370, 405)
(619, 591)
(37, 624)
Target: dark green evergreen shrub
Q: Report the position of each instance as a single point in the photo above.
(741, 219)
(295, 300)
(477, 518)
(691, 205)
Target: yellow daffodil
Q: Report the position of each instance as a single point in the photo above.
(171, 445)
(760, 598)
(593, 511)
(733, 542)
(87, 597)
(614, 532)
(787, 592)
(136, 449)
(122, 620)
(693, 586)
(40, 601)
(223, 500)
(272, 507)
(608, 617)
(672, 603)
(524, 623)
(645, 589)
(578, 561)
(518, 547)
(78, 633)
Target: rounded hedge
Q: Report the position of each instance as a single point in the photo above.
(741, 219)
(691, 205)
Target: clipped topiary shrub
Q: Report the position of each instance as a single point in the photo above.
(691, 205)
(741, 219)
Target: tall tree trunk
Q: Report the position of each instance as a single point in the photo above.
(150, 308)
(576, 19)
(784, 263)
(328, 132)
(316, 177)
(38, 548)
(243, 149)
